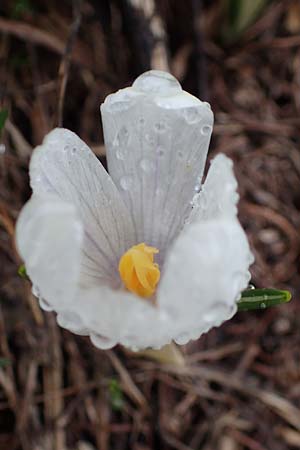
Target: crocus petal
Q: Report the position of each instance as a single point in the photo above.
(49, 236)
(205, 272)
(114, 316)
(65, 166)
(218, 196)
(156, 136)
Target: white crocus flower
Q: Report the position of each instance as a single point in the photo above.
(140, 256)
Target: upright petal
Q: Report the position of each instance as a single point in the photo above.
(218, 196)
(207, 268)
(49, 235)
(205, 271)
(157, 138)
(63, 165)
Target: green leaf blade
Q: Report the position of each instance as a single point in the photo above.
(4, 362)
(252, 299)
(116, 395)
(22, 272)
(3, 117)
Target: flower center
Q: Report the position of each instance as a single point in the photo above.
(138, 271)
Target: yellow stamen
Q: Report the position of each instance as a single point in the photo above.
(138, 271)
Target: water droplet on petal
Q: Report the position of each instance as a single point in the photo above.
(118, 102)
(35, 290)
(188, 165)
(161, 127)
(126, 182)
(120, 154)
(120, 143)
(45, 305)
(157, 82)
(149, 138)
(192, 115)
(101, 341)
(147, 165)
(160, 150)
(182, 339)
(206, 129)
(69, 320)
(123, 136)
(2, 149)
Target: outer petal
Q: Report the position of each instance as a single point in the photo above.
(49, 236)
(111, 316)
(205, 272)
(218, 196)
(157, 138)
(207, 268)
(65, 166)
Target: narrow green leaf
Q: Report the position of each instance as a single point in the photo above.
(4, 362)
(116, 395)
(240, 14)
(262, 298)
(20, 8)
(22, 272)
(3, 117)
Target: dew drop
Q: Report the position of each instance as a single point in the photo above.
(147, 165)
(126, 182)
(161, 127)
(160, 151)
(35, 290)
(263, 306)
(188, 165)
(120, 154)
(45, 305)
(2, 149)
(119, 105)
(69, 320)
(205, 130)
(101, 341)
(123, 136)
(192, 115)
(74, 150)
(149, 138)
(157, 82)
(182, 339)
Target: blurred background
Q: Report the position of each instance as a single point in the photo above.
(239, 386)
